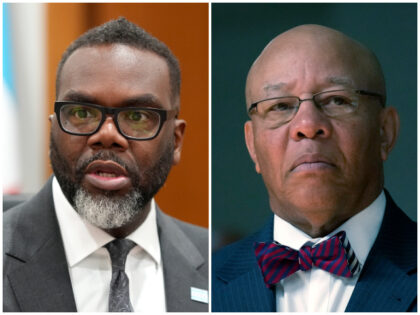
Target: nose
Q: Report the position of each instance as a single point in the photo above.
(108, 137)
(309, 122)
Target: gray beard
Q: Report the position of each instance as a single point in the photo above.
(108, 212)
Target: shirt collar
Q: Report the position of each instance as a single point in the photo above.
(361, 230)
(80, 238)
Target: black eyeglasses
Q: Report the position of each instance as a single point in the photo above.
(333, 103)
(134, 123)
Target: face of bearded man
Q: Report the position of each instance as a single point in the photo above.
(109, 210)
(108, 178)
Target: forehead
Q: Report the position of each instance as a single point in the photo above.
(116, 71)
(308, 65)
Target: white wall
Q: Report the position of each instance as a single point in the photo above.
(28, 24)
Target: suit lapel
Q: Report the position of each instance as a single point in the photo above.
(40, 281)
(43, 283)
(183, 267)
(245, 286)
(388, 281)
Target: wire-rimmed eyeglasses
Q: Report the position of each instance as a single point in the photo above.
(134, 123)
(332, 103)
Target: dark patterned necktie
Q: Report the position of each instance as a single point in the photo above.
(119, 297)
(334, 255)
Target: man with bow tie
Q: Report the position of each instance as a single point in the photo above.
(319, 132)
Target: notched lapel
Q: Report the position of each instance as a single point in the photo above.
(388, 282)
(245, 293)
(43, 283)
(383, 289)
(34, 264)
(184, 267)
(244, 289)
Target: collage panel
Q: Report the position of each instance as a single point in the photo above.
(105, 197)
(305, 105)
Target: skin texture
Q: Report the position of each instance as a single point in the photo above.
(319, 171)
(117, 75)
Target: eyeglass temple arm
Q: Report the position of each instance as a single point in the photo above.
(172, 113)
(381, 97)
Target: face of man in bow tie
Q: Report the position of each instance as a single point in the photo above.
(320, 158)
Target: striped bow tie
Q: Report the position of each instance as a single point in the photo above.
(334, 255)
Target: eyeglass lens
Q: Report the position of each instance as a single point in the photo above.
(331, 103)
(82, 119)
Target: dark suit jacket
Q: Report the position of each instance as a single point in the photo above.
(388, 282)
(35, 271)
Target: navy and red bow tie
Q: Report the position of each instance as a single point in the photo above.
(334, 255)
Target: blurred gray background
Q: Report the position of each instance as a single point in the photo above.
(239, 33)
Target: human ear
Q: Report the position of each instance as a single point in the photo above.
(249, 140)
(390, 126)
(179, 131)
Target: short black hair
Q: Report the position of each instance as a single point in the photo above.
(122, 31)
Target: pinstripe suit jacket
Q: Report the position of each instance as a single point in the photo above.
(388, 282)
(35, 271)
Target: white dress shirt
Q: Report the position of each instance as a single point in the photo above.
(317, 290)
(89, 262)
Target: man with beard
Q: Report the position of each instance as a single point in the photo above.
(93, 238)
(319, 133)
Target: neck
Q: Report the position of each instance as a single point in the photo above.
(318, 230)
(318, 219)
(316, 222)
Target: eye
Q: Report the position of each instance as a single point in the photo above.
(81, 112)
(335, 101)
(136, 116)
(281, 106)
(338, 100)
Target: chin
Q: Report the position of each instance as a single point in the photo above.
(319, 200)
(108, 212)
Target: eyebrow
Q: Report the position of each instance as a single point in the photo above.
(341, 80)
(144, 100)
(75, 96)
(273, 87)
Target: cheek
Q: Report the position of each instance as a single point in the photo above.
(147, 153)
(359, 144)
(70, 147)
(349, 139)
(271, 154)
(142, 155)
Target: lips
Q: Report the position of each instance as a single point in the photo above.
(311, 162)
(106, 175)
